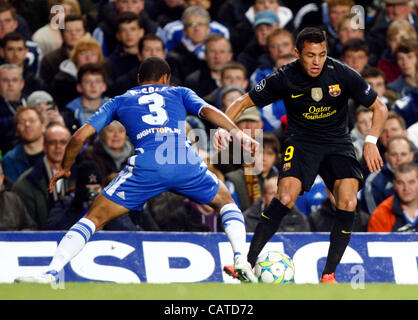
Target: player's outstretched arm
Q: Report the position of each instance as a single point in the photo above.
(220, 119)
(238, 106)
(71, 151)
(371, 153)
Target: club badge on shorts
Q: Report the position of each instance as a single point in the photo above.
(334, 90)
(287, 166)
(316, 94)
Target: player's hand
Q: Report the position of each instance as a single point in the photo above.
(221, 139)
(60, 174)
(372, 157)
(248, 144)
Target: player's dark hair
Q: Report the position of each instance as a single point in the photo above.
(152, 69)
(310, 34)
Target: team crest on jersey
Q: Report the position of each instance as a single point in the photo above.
(260, 86)
(287, 166)
(316, 94)
(334, 90)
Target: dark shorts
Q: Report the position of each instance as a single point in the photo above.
(332, 161)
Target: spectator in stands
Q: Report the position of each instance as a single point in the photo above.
(9, 19)
(244, 30)
(376, 78)
(32, 185)
(13, 50)
(74, 29)
(248, 180)
(264, 24)
(399, 30)
(165, 12)
(295, 221)
(71, 208)
(106, 28)
(30, 128)
(406, 55)
(91, 86)
(413, 133)
(393, 10)
(218, 52)
(45, 104)
(398, 213)
(394, 126)
(228, 95)
(111, 150)
(407, 108)
(355, 53)
(232, 74)
(13, 213)
(11, 97)
(361, 129)
(323, 219)
(311, 201)
(125, 56)
(173, 32)
(249, 120)
(9, 23)
(48, 37)
(378, 185)
(150, 45)
(280, 42)
(188, 55)
(64, 85)
(346, 31)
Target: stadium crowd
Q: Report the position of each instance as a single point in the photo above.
(58, 66)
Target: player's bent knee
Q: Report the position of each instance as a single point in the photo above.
(287, 200)
(347, 204)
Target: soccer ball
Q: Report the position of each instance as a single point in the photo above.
(274, 267)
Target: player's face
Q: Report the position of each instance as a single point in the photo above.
(129, 34)
(398, 153)
(56, 139)
(29, 127)
(378, 85)
(407, 62)
(356, 60)
(217, 54)
(406, 186)
(15, 52)
(73, 31)
(279, 46)
(312, 57)
(92, 86)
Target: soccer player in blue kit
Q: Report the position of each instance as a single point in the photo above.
(154, 117)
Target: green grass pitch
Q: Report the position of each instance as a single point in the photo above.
(207, 291)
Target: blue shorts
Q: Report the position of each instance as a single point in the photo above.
(135, 185)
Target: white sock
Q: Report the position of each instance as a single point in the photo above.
(72, 243)
(234, 226)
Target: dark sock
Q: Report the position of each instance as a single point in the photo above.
(339, 239)
(267, 226)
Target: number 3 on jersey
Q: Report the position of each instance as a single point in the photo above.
(156, 104)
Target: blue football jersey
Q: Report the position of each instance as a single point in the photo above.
(152, 115)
